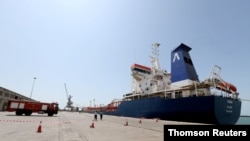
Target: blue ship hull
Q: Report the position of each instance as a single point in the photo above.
(202, 109)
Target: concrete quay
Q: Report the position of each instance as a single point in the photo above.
(74, 126)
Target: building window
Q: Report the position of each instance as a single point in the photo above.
(6, 94)
(12, 96)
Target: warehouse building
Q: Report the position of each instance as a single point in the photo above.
(6, 95)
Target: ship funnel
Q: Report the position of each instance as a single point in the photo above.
(182, 67)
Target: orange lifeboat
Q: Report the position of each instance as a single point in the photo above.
(140, 67)
(226, 86)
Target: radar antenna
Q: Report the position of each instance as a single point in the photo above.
(154, 58)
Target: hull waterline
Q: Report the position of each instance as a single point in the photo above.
(204, 109)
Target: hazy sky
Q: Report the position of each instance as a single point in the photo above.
(89, 45)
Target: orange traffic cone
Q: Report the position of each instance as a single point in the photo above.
(126, 124)
(92, 125)
(39, 129)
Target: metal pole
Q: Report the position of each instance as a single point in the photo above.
(32, 87)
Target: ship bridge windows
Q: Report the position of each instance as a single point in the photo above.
(140, 70)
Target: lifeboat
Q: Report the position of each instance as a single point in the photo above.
(140, 68)
(227, 87)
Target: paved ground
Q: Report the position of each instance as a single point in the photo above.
(73, 126)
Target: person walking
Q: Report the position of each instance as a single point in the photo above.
(95, 116)
(101, 114)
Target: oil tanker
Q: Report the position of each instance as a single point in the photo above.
(178, 95)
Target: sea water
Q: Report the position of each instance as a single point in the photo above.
(244, 120)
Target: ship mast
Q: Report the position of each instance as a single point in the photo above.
(154, 58)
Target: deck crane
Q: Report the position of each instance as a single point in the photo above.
(69, 103)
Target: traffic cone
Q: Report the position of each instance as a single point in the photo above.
(92, 125)
(126, 124)
(39, 129)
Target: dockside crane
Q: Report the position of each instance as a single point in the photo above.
(69, 104)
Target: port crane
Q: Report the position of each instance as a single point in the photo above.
(69, 104)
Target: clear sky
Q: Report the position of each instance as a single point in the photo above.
(89, 45)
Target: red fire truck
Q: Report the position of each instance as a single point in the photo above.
(29, 107)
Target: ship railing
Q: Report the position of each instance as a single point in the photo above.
(224, 94)
(132, 96)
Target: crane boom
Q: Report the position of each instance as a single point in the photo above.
(66, 90)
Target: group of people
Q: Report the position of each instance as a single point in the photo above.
(95, 116)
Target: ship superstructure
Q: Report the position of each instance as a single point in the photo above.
(182, 82)
(149, 80)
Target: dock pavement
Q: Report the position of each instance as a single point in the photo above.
(75, 126)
